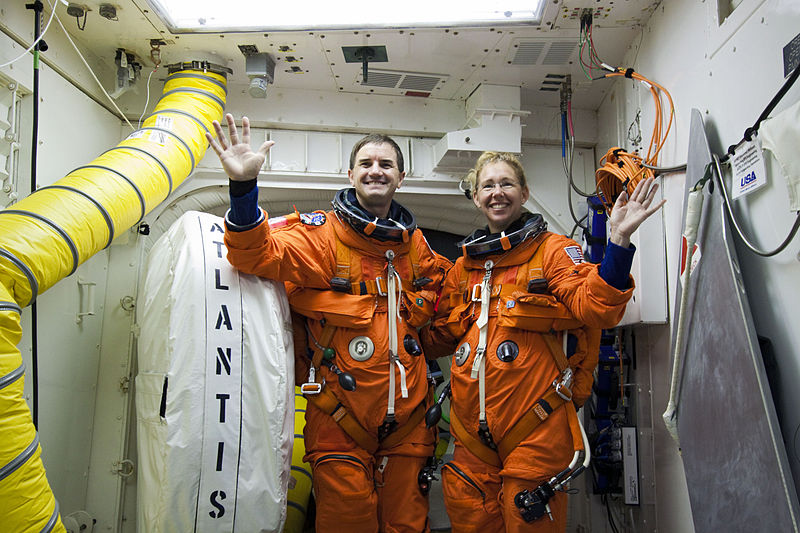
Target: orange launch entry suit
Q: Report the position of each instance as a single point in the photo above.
(356, 489)
(519, 370)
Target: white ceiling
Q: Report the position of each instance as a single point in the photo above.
(458, 59)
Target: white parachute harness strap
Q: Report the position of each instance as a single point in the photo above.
(393, 316)
(479, 363)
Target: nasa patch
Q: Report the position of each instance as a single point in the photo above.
(575, 254)
(312, 219)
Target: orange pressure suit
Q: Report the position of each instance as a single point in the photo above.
(364, 480)
(529, 282)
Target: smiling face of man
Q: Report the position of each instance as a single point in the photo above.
(376, 176)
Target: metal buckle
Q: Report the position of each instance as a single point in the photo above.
(311, 388)
(566, 377)
(486, 435)
(477, 297)
(378, 285)
(387, 427)
(561, 386)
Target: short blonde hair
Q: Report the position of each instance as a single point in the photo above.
(487, 158)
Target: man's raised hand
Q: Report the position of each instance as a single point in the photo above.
(238, 159)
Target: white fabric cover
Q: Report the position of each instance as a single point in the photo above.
(781, 136)
(177, 319)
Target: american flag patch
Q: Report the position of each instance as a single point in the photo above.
(575, 254)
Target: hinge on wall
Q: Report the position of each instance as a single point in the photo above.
(124, 384)
(128, 303)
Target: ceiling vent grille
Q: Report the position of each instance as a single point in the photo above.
(406, 81)
(419, 83)
(382, 79)
(559, 53)
(553, 82)
(533, 52)
(528, 52)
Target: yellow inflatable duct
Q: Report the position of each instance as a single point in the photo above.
(46, 236)
(300, 484)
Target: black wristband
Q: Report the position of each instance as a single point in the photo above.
(240, 188)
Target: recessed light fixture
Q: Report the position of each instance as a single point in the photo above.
(187, 16)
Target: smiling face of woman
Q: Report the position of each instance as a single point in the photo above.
(499, 195)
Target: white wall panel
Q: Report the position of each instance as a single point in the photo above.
(548, 184)
(729, 72)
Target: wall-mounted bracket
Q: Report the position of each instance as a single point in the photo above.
(86, 304)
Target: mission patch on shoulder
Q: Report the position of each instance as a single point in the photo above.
(313, 219)
(575, 254)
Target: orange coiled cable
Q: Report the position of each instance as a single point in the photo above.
(620, 170)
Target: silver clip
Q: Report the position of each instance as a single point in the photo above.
(476, 289)
(564, 385)
(381, 292)
(310, 387)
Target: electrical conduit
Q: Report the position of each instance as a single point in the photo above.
(47, 235)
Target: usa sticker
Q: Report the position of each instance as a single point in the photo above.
(749, 172)
(312, 219)
(575, 253)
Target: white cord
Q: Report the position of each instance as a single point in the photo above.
(41, 36)
(147, 100)
(399, 293)
(587, 449)
(93, 74)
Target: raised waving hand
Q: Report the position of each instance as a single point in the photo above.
(629, 213)
(238, 159)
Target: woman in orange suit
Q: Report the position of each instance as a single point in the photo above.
(516, 298)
